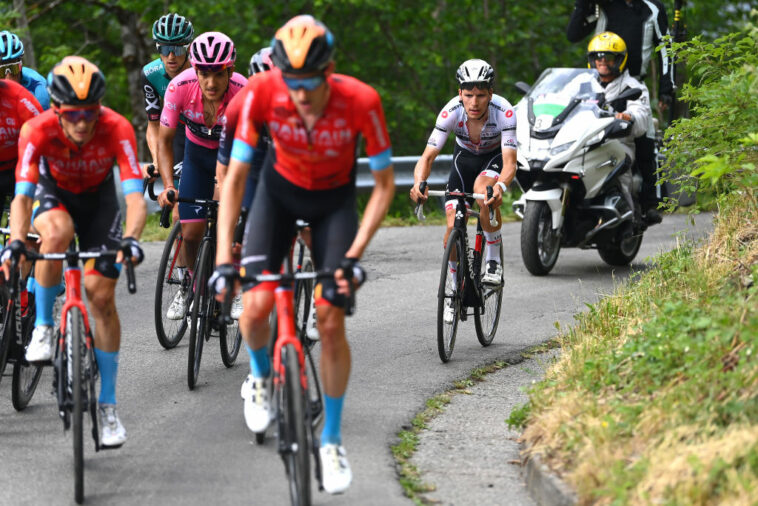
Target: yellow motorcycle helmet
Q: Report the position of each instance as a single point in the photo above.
(611, 46)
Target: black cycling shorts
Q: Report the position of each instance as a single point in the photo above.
(467, 166)
(96, 216)
(7, 186)
(270, 228)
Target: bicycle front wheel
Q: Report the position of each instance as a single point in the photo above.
(293, 434)
(449, 295)
(201, 307)
(7, 333)
(170, 281)
(25, 375)
(74, 340)
(303, 294)
(487, 316)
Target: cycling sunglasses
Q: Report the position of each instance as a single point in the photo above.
(76, 115)
(481, 85)
(609, 58)
(165, 49)
(209, 68)
(304, 83)
(13, 69)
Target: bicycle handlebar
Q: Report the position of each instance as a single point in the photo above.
(445, 193)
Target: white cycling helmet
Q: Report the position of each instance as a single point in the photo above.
(473, 72)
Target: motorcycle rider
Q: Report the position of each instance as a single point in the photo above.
(607, 54)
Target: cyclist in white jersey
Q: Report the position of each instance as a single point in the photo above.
(484, 155)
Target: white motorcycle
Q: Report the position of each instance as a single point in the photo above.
(570, 160)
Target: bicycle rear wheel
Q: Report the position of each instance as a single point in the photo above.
(487, 317)
(25, 375)
(74, 340)
(449, 296)
(303, 294)
(230, 338)
(171, 279)
(201, 308)
(293, 443)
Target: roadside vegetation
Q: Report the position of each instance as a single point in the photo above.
(655, 397)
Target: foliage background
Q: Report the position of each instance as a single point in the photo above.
(407, 50)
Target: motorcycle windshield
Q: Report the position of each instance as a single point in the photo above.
(558, 89)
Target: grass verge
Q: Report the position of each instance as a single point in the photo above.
(655, 397)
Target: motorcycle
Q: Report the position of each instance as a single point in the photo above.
(570, 162)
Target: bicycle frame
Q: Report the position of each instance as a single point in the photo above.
(285, 314)
(73, 277)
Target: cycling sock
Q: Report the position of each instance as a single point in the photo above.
(107, 363)
(492, 250)
(260, 363)
(44, 299)
(332, 420)
(453, 267)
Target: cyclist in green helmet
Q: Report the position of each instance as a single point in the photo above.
(172, 34)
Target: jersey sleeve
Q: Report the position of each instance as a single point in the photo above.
(43, 97)
(172, 102)
(442, 127)
(508, 134)
(27, 167)
(247, 132)
(125, 145)
(152, 98)
(374, 130)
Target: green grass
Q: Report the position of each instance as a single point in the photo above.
(153, 231)
(655, 399)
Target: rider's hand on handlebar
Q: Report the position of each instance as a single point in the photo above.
(416, 195)
(346, 266)
(15, 249)
(222, 279)
(497, 197)
(132, 246)
(163, 197)
(624, 115)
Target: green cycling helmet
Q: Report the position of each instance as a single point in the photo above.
(173, 29)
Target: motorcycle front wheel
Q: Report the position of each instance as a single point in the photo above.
(540, 243)
(624, 250)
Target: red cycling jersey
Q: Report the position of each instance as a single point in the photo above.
(17, 105)
(324, 157)
(73, 168)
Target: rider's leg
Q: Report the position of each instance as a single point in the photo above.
(335, 368)
(192, 234)
(56, 228)
(107, 329)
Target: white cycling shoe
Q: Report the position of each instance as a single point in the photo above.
(40, 348)
(236, 310)
(335, 469)
(448, 316)
(311, 327)
(112, 432)
(494, 273)
(256, 393)
(178, 307)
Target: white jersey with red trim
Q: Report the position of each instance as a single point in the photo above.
(500, 128)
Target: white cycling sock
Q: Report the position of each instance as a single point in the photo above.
(492, 250)
(453, 268)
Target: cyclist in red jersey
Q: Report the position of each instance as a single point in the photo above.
(64, 182)
(17, 105)
(315, 118)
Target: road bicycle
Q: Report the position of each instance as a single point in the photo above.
(297, 400)
(461, 285)
(204, 310)
(74, 361)
(17, 318)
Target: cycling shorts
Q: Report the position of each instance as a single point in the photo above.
(197, 180)
(96, 216)
(467, 166)
(270, 229)
(7, 186)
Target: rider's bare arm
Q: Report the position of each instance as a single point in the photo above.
(151, 135)
(231, 199)
(422, 170)
(136, 213)
(166, 160)
(21, 213)
(376, 210)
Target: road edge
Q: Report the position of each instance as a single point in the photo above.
(543, 485)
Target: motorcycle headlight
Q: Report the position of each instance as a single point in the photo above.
(560, 149)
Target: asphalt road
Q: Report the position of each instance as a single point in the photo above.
(192, 447)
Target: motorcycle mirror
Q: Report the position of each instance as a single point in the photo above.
(630, 94)
(523, 87)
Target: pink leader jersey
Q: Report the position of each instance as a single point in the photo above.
(184, 100)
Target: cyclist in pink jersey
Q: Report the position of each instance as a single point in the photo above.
(199, 96)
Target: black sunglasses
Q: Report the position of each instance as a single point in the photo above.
(482, 85)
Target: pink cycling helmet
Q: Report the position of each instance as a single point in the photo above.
(212, 51)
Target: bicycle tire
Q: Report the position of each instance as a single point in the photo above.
(449, 289)
(230, 338)
(74, 339)
(487, 317)
(25, 375)
(200, 314)
(169, 332)
(303, 294)
(294, 435)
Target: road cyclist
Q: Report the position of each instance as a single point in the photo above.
(484, 125)
(201, 95)
(314, 117)
(62, 198)
(12, 67)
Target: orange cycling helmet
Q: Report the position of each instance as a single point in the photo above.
(302, 46)
(75, 81)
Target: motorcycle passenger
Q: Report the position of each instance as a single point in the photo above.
(608, 55)
(484, 155)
